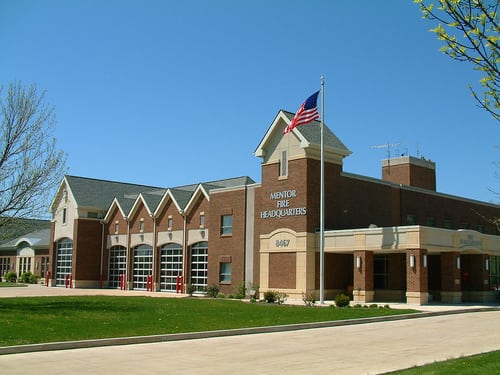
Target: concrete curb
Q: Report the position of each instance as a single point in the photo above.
(230, 332)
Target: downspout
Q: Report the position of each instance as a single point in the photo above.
(127, 256)
(154, 271)
(184, 251)
(102, 253)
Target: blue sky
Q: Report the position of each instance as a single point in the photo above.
(167, 93)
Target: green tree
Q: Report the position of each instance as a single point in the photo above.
(470, 30)
(30, 164)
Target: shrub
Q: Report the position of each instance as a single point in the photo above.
(253, 290)
(270, 296)
(240, 290)
(281, 297)
(373, 306)
(309, 299)
(34, 279)
(28, 278)
(190, 289)
(212, 291)
(10, 277)
(341, 300)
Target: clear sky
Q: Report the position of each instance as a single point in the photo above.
(167, 93)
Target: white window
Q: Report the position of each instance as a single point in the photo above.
(226, 225)
(225, 272)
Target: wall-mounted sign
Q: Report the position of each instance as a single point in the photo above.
(284, 201)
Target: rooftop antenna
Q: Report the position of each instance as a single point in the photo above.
(387, 146)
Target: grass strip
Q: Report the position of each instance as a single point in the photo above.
(484, 364)
(32, 320)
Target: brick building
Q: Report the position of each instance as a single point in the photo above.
(389, 239)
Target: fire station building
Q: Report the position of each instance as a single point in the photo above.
(389, 239)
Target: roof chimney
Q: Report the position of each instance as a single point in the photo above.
(411, 171)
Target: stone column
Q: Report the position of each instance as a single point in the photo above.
(417, 280)
(363, 288)
(451, 287)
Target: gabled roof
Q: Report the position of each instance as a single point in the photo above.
(116, 204)
(104, 195)
(309, 135)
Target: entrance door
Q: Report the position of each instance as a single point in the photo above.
(143, 266)
(199, 266)
(170, 266)
(64, 261)
(117, 265)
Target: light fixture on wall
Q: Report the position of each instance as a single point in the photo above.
(487, 264)
(458, 263)
(358, 261)
(424, 260)
(412, 261)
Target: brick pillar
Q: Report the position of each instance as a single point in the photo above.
(451, 287)
(417, 280)
(475, 278)
(363, 289)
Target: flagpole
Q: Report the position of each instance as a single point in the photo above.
(322, 203)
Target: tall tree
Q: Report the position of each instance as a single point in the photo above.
(31, 166)
(470, 32)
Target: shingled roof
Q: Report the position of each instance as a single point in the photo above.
(99, 194)
(312, 133)
(89, 192)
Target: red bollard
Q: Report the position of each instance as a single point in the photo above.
(179, 286)
(71, 281)
(149, 283)
(66, 281)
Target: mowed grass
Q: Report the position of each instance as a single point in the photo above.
(484, 364)
(29, 320)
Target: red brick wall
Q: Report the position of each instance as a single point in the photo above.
(410, 174)
(87, 249)
(363, 276)
(450, 273)
(135, 220)
(233, 203)
(417, 276)
(282, 270)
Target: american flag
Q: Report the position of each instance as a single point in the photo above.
(307, 112)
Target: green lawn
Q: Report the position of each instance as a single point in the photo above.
(51, 319)
(484, 364)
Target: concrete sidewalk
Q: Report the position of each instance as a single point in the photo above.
(352, 349)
